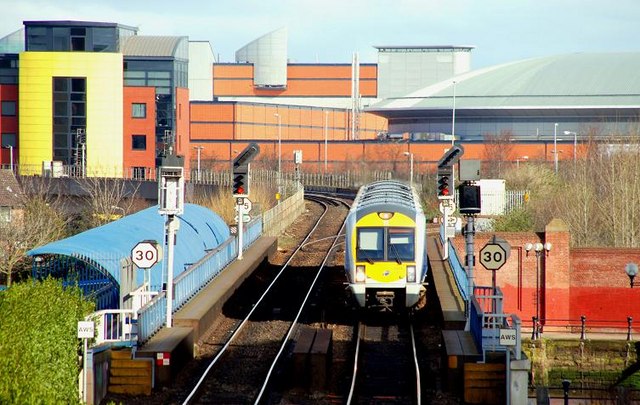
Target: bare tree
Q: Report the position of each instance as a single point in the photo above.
(107, 199)
(43, 221)
(498, 150)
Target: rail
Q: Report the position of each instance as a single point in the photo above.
(188, 284)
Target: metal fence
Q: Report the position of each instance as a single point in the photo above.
(152, 316)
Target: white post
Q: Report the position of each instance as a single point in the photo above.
(171, 232)
(575, 146)
(198, 148)
(84, 164)
(279, 156)
(84, 371)
(555, 146)
(453, 116)
(326, 118)
(11, 157)
(240, 209)
(411, 169)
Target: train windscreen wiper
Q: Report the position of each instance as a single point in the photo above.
(395, 252)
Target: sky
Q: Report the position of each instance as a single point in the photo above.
(330, 31)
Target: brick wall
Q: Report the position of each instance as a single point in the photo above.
(573, 282)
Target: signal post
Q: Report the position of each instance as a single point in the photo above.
(240, 188)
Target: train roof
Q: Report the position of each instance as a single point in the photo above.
(387, 195)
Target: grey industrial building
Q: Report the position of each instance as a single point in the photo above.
(532, 99)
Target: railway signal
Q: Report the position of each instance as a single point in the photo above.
(444, 183)
(450, 157)
(241, 181)
(240, 170)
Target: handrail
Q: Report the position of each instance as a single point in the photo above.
(459, 275)
(114, 325)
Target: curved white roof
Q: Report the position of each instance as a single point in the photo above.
(269, 57)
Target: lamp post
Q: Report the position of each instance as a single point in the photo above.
(198, 148)
(279, 155)
(410, 167)
(10, 147)
(326, 119)
(453, 116)
(575, 143)
(632, 271)
(555, 146)
(538, 248)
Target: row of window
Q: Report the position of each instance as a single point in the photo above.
(77, 106)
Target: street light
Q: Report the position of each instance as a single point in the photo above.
(198, 148)
(453, 116)
(10, 147)
(575, 143)
(326, 119)
(555, 145)
(539, 248)
(279, 155)
(632, 271)
(411, 167)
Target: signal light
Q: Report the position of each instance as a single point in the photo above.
(240, 182)
(443, 186)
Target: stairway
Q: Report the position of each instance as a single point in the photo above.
(129, 376)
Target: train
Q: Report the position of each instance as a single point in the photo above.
(385, 247)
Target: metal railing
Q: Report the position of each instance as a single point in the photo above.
(153, 315)
(198, 275)
(488, 319)
(459, 274)
(115, 325)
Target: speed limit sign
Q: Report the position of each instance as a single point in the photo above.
(494, 254)
(146, 253)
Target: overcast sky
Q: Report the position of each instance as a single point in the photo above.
(329, 31)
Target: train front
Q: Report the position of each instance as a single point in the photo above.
(385, 254)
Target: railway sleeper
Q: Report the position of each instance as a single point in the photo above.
(312, 358)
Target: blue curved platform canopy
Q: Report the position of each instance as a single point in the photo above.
(95, 257)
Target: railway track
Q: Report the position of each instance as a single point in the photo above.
(242, 368)
(386, 367)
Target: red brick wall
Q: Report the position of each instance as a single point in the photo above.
(139, 126)
(573, 282)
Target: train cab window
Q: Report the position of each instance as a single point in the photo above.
(401, 246)
(370, 244)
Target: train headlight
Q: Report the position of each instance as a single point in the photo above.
(361, 276)
(411, 274)
(385, 215)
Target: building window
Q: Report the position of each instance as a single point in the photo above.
(8, 108)
(139, 110)
(139, 173)
(69, 120)
(9, 140)
(139, 142)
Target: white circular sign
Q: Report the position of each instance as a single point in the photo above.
(493, 256)
(145, 254)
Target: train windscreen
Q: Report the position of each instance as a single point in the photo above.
(401, 246)
(370, 244)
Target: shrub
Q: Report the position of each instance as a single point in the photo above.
(38, 342)
(517, 220)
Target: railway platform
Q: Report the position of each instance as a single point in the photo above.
(171, 348)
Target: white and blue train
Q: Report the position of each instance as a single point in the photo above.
(385, 253)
